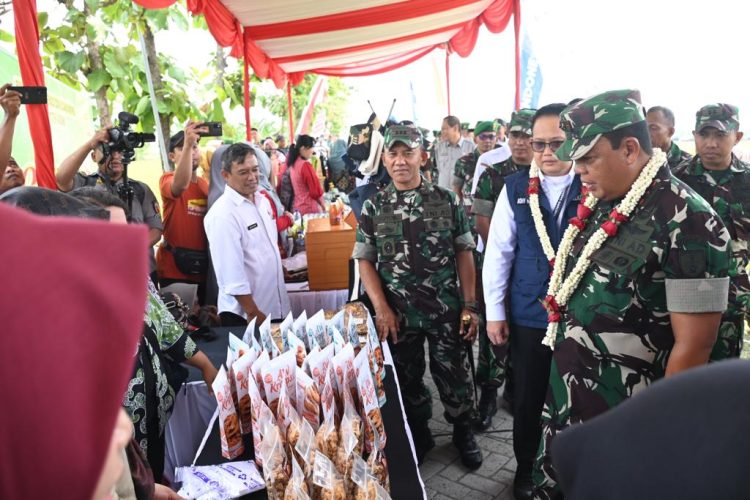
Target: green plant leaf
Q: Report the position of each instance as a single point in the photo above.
(69, 61)
(7, 37)
(97, 79)
(42, 18)
(112, 66)
(142, 106)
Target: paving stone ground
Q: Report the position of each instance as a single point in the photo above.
(444, 476)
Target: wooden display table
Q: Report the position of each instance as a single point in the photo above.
(329, 249)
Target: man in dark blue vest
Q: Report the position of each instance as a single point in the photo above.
(516, 274)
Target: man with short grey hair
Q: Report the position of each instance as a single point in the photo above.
(449, 149)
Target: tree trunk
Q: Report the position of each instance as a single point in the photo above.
(153, 65)
(95, 63)
(221, 66)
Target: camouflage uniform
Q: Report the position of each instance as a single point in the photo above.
(413, 237)
(728, 193)
(489, 371)
(671, 256)
(675, 156)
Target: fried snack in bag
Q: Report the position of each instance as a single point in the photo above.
(297, 487)
(249, 336)
(351, 333)
(305, 447)
(327, 437)
(350, 443)
(255, 411)
(377, 360)
(277, 372)
(230, 375)
(257, 371)
(241, 372)
(319, 366)
(289, 421)
(377, 463)
(284, 330)
(346, 378)
(275, 464)
(337, 322)
(329, 484)
(229, 425)
(294, 344)
(308, 399)
(237, 346)
(368, 397)
(355, 318)
(266, 339)
(316, 330)
(298, 327)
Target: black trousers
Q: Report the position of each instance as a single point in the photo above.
(531, 366)
(231, 319)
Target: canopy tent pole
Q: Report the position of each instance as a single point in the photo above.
(246, 91)
(291, 111)
(152, 94)
(517, 33)
(448, 75)
(30, 62)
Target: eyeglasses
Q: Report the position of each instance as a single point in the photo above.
(538, 146)
(486, 137)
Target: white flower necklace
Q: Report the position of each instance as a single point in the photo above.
(536, 213)
(559, 292)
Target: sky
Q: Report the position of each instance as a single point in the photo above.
(679, 54)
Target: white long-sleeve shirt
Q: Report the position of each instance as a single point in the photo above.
(242, 237)
(500, 249)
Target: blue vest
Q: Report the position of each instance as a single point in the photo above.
(530, 276)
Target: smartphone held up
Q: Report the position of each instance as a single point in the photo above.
(31, 95)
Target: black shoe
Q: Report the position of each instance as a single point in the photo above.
(463, 439)
(523, 486)
(487, 408)
(423, 441)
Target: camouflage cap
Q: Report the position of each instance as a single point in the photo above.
(520, 121)
(586, 121)
(482, 127)
(722, 116)
(500, 122)
(465, 126)
(408, 134)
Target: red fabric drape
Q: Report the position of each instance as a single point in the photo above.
(221, 23)
(30, 63)
(246, 92)
(517, 33)
(155, 4)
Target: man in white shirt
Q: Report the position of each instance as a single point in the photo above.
(516, 276)
(449, 149)
(242, 238)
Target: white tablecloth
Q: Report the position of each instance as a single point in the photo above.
(302, 299)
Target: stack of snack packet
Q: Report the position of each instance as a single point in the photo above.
(309, 390)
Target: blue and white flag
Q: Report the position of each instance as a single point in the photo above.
(531, 75)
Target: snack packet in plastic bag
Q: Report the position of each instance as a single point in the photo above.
(337, 322)
(350, 444)
(223, 481)
(329, 483)
(316, 330)
(229, 425)
(249, 336)
(297, 488)
(377, 463)
(241, 372)
(308, 399)
(267, 341)
(346, 378)
(352, 334)
(277, 372)
(275, 465)
(285, 329)
(377, 360)
(327, 437)
(319, 366)
(289, 421)
(296, 345)
(237, 346)
(255, 410)
(337, 339)
(369, 399)
(298, 327)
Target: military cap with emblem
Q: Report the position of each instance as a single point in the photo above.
(722, 116)
(465, 126)
(408, 134)
(520, 121)
(482, 127)
(586, 121)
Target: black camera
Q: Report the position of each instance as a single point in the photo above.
(121, 138)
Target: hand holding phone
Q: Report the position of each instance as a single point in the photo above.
(214, 129)
(31, 95)
(10, 101)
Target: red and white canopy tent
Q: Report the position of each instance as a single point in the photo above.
(284, 39)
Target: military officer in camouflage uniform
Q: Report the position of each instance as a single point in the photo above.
(661, 129)
(650, 302)
(413, 244)
(723, 180)
(490, 372)
(491, 182)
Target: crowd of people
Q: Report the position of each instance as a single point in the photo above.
(584, 252)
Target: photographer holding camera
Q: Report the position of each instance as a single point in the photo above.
(112, 154)
(10, 173)
(182, 257)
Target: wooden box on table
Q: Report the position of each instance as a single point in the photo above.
(329, 249)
